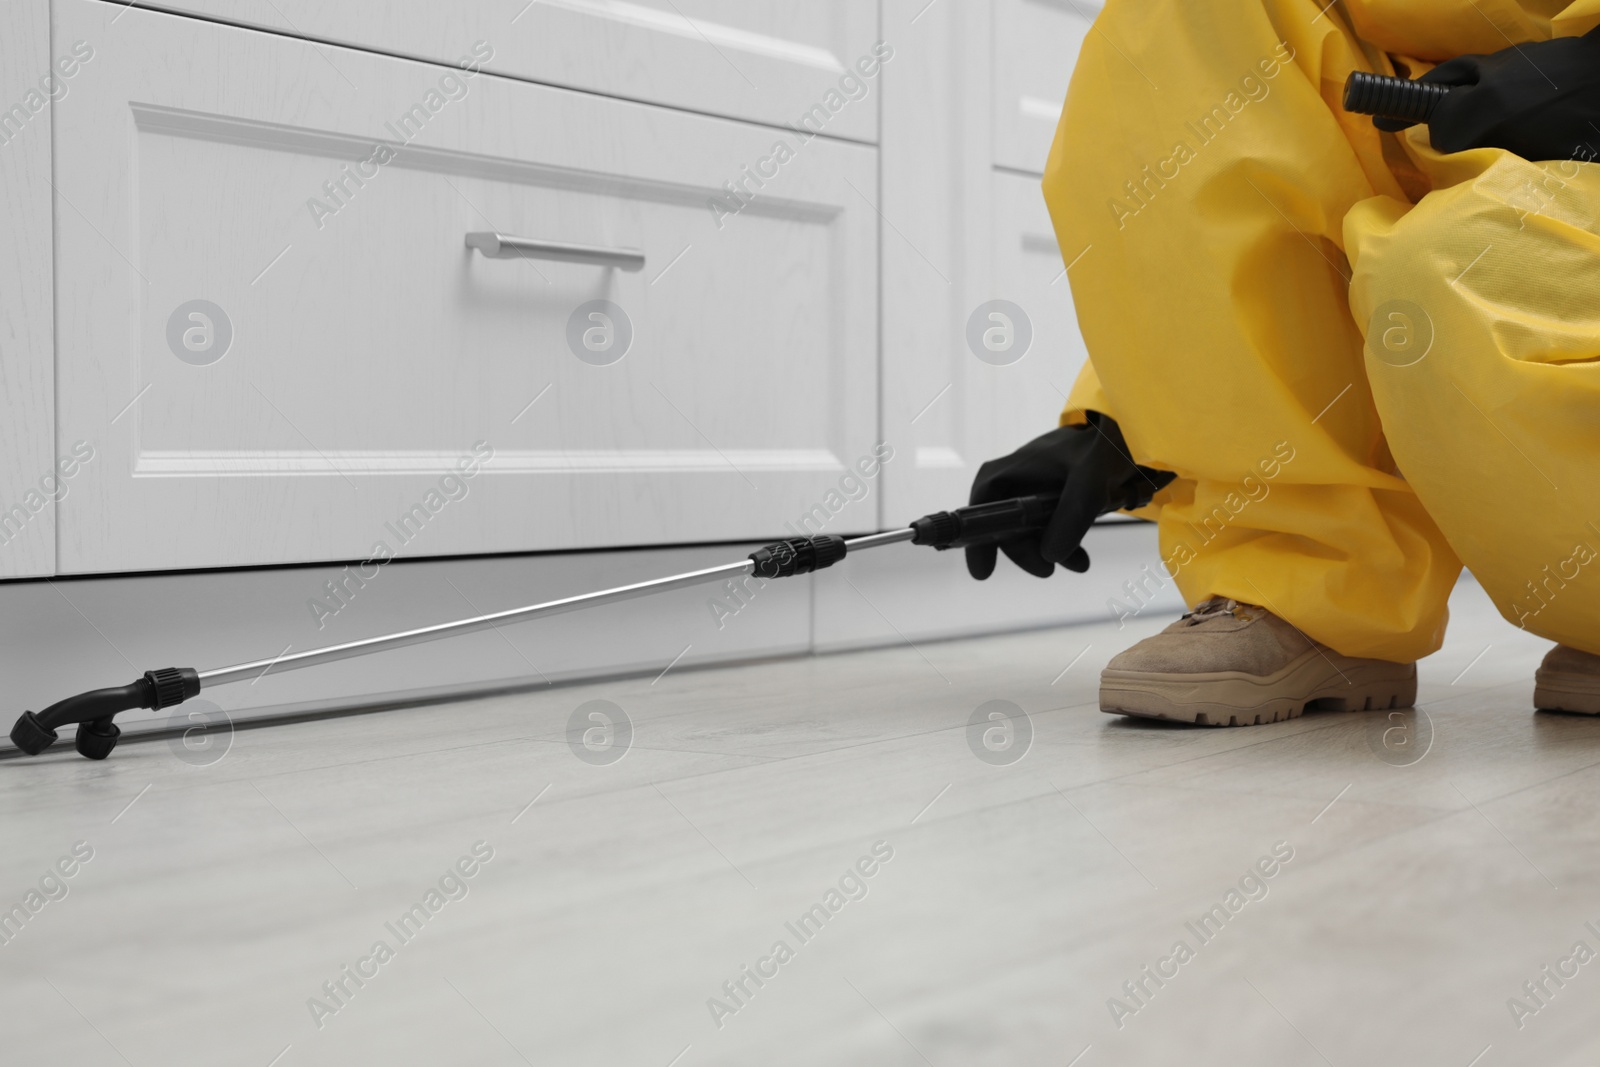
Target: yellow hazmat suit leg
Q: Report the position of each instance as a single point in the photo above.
(1484, 357)
(1203, 178)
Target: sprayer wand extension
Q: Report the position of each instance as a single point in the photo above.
(94, 711)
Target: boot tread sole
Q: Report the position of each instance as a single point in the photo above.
(1319, 680)
(1564, 691)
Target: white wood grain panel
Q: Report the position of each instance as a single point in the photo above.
(30, 484)
(1030, 271)
(768, 61)
(936, 248)
(1036, 44)
(372, 350)
(964, 234)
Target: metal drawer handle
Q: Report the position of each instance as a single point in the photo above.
(500, 246)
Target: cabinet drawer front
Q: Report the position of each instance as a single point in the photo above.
(1037, 43)
(272, 329)
(766, 61)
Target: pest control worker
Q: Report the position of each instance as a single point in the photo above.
(1339, 358)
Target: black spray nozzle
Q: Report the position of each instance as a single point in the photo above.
(981, 524)
(1392, 98)
(98, 734)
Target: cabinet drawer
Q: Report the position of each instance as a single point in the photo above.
(271, 327)
(1036, 46)
(764, 60)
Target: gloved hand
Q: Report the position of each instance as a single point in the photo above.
(1540, 100)
(1089, 466)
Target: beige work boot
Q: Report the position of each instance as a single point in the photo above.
(1568, 680)
(1233, 664)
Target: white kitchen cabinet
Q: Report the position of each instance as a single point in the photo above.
(980, 336)
(30, 482)
(998, 360)
(277, 346)
(769, 61)
(970, 261)
(282, 348)
(1029, 270)
(1036, 45)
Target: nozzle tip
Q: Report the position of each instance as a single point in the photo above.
(97, 738)
(30, 735)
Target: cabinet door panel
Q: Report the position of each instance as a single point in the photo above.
(1036, 43)
(287, 347)
(30, 481)
(767, 61)
(991, 408)
(965, 235)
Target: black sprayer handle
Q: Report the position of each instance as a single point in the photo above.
(984, 524)
(1392, 98)
(975, 524)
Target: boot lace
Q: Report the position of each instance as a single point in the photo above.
(1216, 608)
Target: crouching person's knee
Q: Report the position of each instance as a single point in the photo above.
(1504, 266)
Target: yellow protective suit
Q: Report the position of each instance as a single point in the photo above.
(1368, 363)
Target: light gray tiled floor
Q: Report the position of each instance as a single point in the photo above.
(1421, 894)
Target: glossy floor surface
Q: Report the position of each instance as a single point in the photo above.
(488, 883)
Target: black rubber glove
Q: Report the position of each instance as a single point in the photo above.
(1090, 467)
(1541, 101)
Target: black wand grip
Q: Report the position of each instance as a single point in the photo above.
(798, 555)
(1392, 98)
(983, 524)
